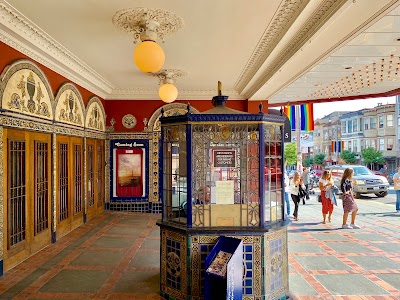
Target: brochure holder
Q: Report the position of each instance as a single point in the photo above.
(224, 270)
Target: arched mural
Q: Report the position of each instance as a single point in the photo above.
(173, 109)
(69, 106)
(95, 115)
(25, 89)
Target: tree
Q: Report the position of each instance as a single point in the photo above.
(371, 156)
(308, 161)
(290, 152)
(319, 159)
(348, 156)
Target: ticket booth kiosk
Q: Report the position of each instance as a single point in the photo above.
(222, 178)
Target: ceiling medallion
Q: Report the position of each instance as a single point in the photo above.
(133, 20)
(129, 121)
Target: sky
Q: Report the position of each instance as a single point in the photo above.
(323, 109)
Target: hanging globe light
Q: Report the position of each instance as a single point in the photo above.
(148, 25)
(168, 92)
(149, 57)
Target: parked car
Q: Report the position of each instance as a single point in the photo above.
(317, 172)
(364, 181)
(379, 173)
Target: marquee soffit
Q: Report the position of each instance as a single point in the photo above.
(283, 50)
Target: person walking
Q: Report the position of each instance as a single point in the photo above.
(287, 193)
(325, 186)
(349, 204)
(305, 176)
(295, 193)
(396, 181)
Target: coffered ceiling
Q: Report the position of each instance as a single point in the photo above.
(280, 50)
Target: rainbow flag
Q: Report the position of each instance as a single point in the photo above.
(290, 111)
(337, 146)
(306, 116)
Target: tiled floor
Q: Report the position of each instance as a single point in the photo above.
(116, 256)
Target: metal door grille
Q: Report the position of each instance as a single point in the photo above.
(99, 176)
(16, 192)
(63, 181)
(41, 187)
(78, 179)
(90, 166)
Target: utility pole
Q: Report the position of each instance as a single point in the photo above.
(298, 140)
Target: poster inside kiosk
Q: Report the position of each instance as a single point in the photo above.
(224, 192)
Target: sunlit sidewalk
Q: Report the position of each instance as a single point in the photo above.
(328, 262)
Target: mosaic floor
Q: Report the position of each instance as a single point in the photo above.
(116, 256)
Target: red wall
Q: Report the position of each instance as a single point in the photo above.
(145, 108)
(10, 55)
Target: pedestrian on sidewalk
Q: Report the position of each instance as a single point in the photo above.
(349, 204)
(287, 193)
(296, 185)
(396, 181)
(325, 186)
(305, 176)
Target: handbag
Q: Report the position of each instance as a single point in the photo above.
(319, 198)
(302, 192)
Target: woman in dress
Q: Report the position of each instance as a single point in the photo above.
(325, 183)
(349, 204)
(295, 194)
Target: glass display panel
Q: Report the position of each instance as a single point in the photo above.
(175, 173)
(273, 208)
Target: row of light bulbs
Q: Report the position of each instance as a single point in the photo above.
(148, 25)
(364, 79)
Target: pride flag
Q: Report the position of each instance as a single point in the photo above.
(306, 116)
(290, 111)
(337, 146)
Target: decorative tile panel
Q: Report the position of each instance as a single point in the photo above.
(276, 264)
(174, 280)
(201, 246)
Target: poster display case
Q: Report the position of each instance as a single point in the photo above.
(222, 176)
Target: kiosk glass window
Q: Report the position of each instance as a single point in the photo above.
(175, 173)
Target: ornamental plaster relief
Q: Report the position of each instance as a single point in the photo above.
(69, 107)
(95, 115)
(24, 89)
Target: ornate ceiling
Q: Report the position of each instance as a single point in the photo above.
(280, 50)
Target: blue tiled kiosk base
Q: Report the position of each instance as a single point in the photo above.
(265, 263)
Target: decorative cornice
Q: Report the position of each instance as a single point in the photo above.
(285, 17)
(314, 23)
(24, 36)
(152, 94)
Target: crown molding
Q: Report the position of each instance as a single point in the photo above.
(283, 20)
(152, 94)
(326, 9)
(21, 34)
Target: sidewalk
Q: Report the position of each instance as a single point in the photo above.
(328, 262)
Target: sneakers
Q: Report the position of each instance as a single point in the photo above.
(345, 226)
(355, 226)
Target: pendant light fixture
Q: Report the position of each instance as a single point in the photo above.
(148, 25)
(168, 91)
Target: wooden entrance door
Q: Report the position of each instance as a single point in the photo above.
(95, 177)
(69, 184)
(27, 206)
